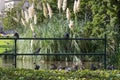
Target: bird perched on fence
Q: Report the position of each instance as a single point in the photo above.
(37, 51)
(66, 35)
(16, 35)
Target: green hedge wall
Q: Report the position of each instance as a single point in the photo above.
(27, 74)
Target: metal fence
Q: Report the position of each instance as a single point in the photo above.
(94, 54)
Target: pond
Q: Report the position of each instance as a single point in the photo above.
(28, 63)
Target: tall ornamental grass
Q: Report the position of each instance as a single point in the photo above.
(59, 25)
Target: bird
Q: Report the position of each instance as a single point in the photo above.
(36, 66)
(53, 67)
(75, 67)
(16, 35)
(93, 67)
(66, 35)
(110, 67)
(37, 51)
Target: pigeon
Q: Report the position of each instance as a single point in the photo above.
(37, 51)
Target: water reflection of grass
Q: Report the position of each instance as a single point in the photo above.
(5, 44)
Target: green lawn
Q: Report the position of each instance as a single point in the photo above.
(5, 44)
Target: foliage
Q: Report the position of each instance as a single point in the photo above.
(95, 19)
(6, 45)
(8, 20)
(23, 74)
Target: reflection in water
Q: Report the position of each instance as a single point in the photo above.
(28, 63)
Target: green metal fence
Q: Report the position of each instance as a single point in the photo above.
(94, 54)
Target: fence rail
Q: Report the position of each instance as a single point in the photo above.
(15, 54)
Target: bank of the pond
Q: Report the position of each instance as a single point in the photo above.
(28, 74)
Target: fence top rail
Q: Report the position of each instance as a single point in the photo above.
(52, 38)
(55, 54)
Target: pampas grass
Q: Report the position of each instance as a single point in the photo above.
(49, 11)
(35, 19)
(45, 11)
(59, 4)
(78, 5)
(64, 6)
(26, 16)
(31, 11)
(75, 7)
(68, 14)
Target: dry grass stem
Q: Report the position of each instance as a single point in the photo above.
(71, 25)
(15, 19)
(26, 16)
(35, 19)
(49, 10)
(31, 44)
(23, 22)
(31, 27)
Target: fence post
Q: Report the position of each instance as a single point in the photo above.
(105, 43)
(15, 54)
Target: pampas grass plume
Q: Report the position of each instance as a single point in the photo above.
(75, 7)
(49, 10)
(59, 4)
(35, 19)
(31, 11)
(64, 5)
(78, 5)
(45, 11)
(68, 14)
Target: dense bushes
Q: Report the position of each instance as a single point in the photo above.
(23, 74)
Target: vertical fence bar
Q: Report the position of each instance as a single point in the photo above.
(15, 54)
(105, 43)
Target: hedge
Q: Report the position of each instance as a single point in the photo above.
(28, 74)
